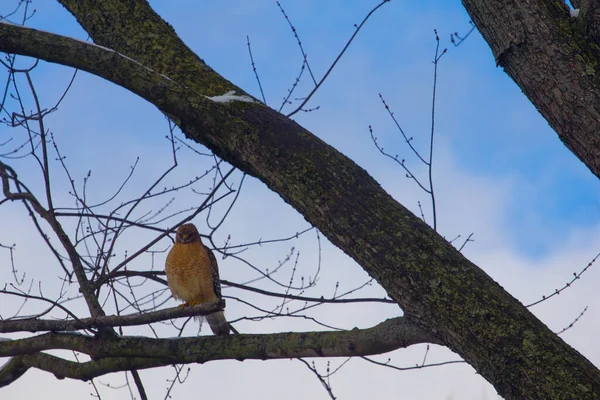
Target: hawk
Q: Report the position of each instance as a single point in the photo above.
(193, 275)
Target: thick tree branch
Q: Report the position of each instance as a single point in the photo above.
(40, 325)
(12, 370)
(113, 354)
(555, 61)
(436, 286)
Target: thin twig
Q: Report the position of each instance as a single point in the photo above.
(574, 322)
(567, 285)
(358, 28)
(466, 241)
(254, 69)
(304, 55)
(417, 366)
(139, 384)
(401, 162)
(319, 377)
(455, 35)
(436, 60)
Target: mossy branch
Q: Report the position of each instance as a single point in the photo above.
(436, 286)
(104, 321)
(113, 354)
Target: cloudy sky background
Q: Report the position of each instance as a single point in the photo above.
(500, 172)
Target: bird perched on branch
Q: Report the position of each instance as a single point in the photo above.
(193, 275)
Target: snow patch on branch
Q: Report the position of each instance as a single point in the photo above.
(225, 98)
(231, 96)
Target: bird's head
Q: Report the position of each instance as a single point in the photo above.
(187, 233)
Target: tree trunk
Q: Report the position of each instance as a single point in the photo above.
(554, 59)
(435, 285)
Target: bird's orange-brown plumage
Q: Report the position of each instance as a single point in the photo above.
(193, 274)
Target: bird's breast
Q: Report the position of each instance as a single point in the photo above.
(188, 268)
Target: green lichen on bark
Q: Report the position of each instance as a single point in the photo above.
(437, 287)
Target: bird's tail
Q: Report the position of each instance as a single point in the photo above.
(217, 322)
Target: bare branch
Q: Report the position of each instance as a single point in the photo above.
(467, 241)
(457, 39)
(417, 366)
(6, 174)
(325, 384)
(113, 354)
(295, 32)
(436, 60)
(566, 328)
(567, 285)
(429, 278)
(143, 318)
(254, 70)
(12, 370)
(401, 162)
(139, 384)
(318, 85)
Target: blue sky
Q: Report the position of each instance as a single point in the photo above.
(501, 172)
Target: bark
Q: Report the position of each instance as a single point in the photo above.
(437, 287)
(554, 59)
(113, 354)
(106, 321)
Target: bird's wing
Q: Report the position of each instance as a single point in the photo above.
(214, 269)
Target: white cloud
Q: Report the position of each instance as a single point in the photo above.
(117, 125)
